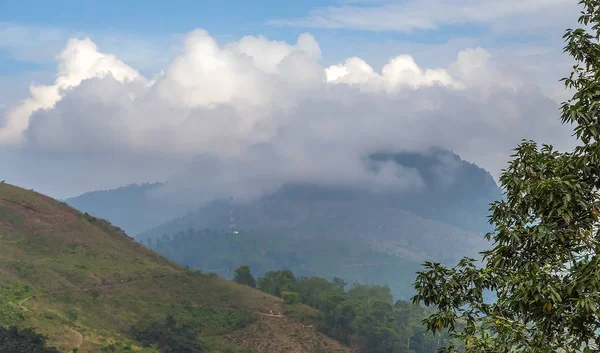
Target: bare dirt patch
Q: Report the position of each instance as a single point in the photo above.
(275, 334)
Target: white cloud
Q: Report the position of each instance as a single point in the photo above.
(254, 113)
(80, 60)
(401, 71)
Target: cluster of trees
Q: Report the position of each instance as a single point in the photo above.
(13, 340)
(169, 335)
(363, 317)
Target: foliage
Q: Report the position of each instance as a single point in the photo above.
(243, 275)
(10, 295)
(290, 297)
(170, 336)
(13, 340)
(363, 317)
(544, 267)
(276, 282)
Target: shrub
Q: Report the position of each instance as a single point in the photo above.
(290, 297)
(24, 341)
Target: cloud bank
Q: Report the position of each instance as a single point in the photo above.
(246, 116)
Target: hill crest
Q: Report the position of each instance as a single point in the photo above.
(83, 282)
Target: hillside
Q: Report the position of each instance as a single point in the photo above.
(84, 283)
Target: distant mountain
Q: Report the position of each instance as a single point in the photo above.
(221, 253)
(371, 223)
(457, 192)
(443, 220)
(134, 208)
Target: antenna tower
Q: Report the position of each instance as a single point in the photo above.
(232, 226)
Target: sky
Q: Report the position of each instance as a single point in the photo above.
(237, 97)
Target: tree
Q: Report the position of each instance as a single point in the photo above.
(544, 267)
(290, 297)
(339, 282)
(243, 275)
(276, 282)
(13, 340)
(168, 336)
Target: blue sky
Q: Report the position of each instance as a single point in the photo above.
(144, 33)
(487, 54)
(158, 21)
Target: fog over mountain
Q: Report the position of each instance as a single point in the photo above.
(449, 201)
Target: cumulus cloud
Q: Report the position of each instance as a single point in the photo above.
(79, 61)
(399, 72)
(245, 117)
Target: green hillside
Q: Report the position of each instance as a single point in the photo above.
(87, 285)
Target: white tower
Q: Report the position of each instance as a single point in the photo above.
(232, 226)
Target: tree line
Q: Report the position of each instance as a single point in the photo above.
(15, 340)
(364, 317)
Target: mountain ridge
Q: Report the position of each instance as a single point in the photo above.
(462, 203)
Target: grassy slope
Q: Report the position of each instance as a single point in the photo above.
(67, 273)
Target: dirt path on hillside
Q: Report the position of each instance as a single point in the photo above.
(273, 335)
(78, 336)
(78, 339)
(21, 304)
(271, 315)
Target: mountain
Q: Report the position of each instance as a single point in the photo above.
(443, 220)
(223, 252)
(367, 243)
(87, 285)
(134, 208)
(456, 192)
(381, 227)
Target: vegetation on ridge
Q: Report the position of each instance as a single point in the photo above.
(545, 264)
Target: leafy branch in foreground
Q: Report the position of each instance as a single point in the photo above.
(544, 267)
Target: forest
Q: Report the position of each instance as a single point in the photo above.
(364, 317)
